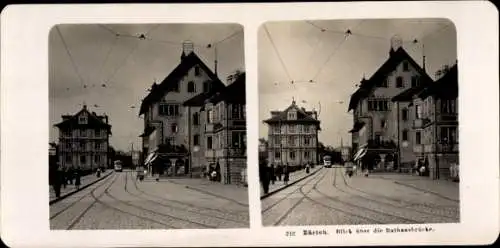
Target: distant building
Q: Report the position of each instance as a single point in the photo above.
(293, 136)
(433, 113)
(84, 140)
(171, 130)
(381, 130)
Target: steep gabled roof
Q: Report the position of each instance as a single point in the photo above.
(92, 121)
(395, 58)
(445, 88)
(302, 116)
(187, 62)
(233, 93)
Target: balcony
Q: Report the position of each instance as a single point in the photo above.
(420, 123)
(419, 148)
(238, 123)
(381, 144)
(172, 149)
(452, 148)
(448, 117)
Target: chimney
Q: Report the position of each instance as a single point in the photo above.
(187, 48)
(396, 43)
(315, 114)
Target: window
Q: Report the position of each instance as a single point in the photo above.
(237, 111)
(292, 115)
(405, 66)
(291, 128)
(378, 138)
(277, 154)
(170, 141)
(404, 114)
(276, 140)
(306, 154)
(306, 129)
(418, 138)
(196, 140)
(175, 87)
(399, 82)
(209, 143)
(97, 146)
(415, 81)
(197, 71)
(210, 116)
(378, 105)
(307, 141)
(382, 83)
(97, 132)
(97, 158)
(418, 111)
(83, 133)
(292, 155)
(82, 146)
(448, 106)
(196, 119)
(291, 141)
(68, 158)
(382, 123)
(405, 135)
(174, 128)
(206, 86)
(276, 129)
(82, 120)
(448, 135)
(168, 109)
(83, 159)
(191, 87)
(238, 140)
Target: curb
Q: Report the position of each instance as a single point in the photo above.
(290, 184)
(80, 189)
(426, 191)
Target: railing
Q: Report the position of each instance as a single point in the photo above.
(448, 117)
(447, 147)
(420, 123)
(381, 144)
(418, 148)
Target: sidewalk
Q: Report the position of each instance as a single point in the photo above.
(85, 181)
(294, 177)
(444, 188)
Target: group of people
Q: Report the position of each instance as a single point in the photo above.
(61, 177)
(213, 173)
(269, 174)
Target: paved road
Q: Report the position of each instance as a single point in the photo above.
(121, 202)
(331, 198)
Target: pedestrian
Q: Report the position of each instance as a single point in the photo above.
(217, 172)
(273, 174)
(307, 168)
(56, 178)
(98, 173)
(77, 178)
(264, 176)
(286, 173)
(279, 171)
(64, 175)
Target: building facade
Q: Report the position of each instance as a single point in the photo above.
(434, 117)
(171, 130)
(381, 131)
(84, 140)
(293, 136)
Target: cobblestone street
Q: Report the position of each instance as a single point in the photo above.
(122, 202)
(331, 198)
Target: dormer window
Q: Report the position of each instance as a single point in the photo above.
(191, 87)
(415, 81)
(292, 115)
(206, 86)
(197, 71)
(82, 120)
(399, 82)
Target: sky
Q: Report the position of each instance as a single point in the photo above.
(127, 66)
(319, 51)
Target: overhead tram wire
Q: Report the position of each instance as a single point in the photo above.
(128, 56)
(111, 47)
(75, 67)
(277, 53)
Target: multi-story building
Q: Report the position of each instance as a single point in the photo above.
(433, 113)
(84, 140)
(293, 136)
(172, 131)
(381, 132)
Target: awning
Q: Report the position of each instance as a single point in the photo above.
(151, 157)
(361, 152)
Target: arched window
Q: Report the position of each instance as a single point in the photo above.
(191, 87)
